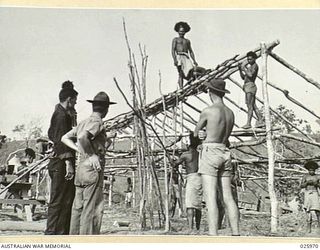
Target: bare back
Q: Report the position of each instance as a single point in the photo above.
(219, 123)
(190, 159)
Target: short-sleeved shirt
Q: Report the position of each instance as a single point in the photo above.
(94, 126)
(253, 69)
(60, 124)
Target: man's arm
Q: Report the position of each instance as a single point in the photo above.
(68, 140)
(85, 142)
(192, 54)
(180, 160)
(303, 183)
(252, 71)
(242, 75)
(173, 52)
(201, 123)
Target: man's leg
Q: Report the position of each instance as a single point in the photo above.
(97, 220)
(179, 200)
(257, 112)
(88, 213)
(232, 208)
(63, 224)
(309, 221)
(76, 211)
(56, 167)
(210, 196)
(181, 75)
(173, 206)
(220, 204)
(318, 218)
(190, 215)
(249, 102)
(198, 218)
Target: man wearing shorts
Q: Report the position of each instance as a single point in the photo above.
(215, 159)
(194, 182)
(249, 75)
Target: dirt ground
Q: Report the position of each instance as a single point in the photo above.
(251, 224)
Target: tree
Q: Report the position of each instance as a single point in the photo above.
(3, 140)
(30, 131)
(291, 116)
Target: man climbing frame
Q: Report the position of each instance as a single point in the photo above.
(181, 53)
(249, 75)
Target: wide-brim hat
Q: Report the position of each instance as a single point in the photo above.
(217, 85)
(101, 98)
(311, 165)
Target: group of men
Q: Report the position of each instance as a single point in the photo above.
(211, 168)
(76, 205)
(76, 200)
(187, 66)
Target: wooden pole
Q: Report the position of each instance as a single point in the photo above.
(110, 190)
(291, 99)
(294, 69)
(271, 189)
(166, 186)
(133, 189)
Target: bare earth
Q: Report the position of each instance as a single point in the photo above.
(251, 224)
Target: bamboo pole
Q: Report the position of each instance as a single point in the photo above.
(294, 69)
(171, 116)
(133, 176)
(137, 130)
(110, 191)
(272, 193)
(293, 100)
(298, 139)
(166, 187)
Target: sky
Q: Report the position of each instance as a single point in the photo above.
(42, 47)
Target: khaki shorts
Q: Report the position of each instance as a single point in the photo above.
(194, 191)
(250, 87)
(215, 160)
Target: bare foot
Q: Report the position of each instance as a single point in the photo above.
(247, 126)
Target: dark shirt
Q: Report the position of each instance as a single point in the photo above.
(60, 124)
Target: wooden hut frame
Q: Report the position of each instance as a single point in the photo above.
(169, 108)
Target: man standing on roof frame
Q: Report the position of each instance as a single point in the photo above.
(182, 51)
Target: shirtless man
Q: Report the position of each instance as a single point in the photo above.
(215, 158)
(176, 197)
(181, 52)
(249, 75)
(194, 183)
(310, 183)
